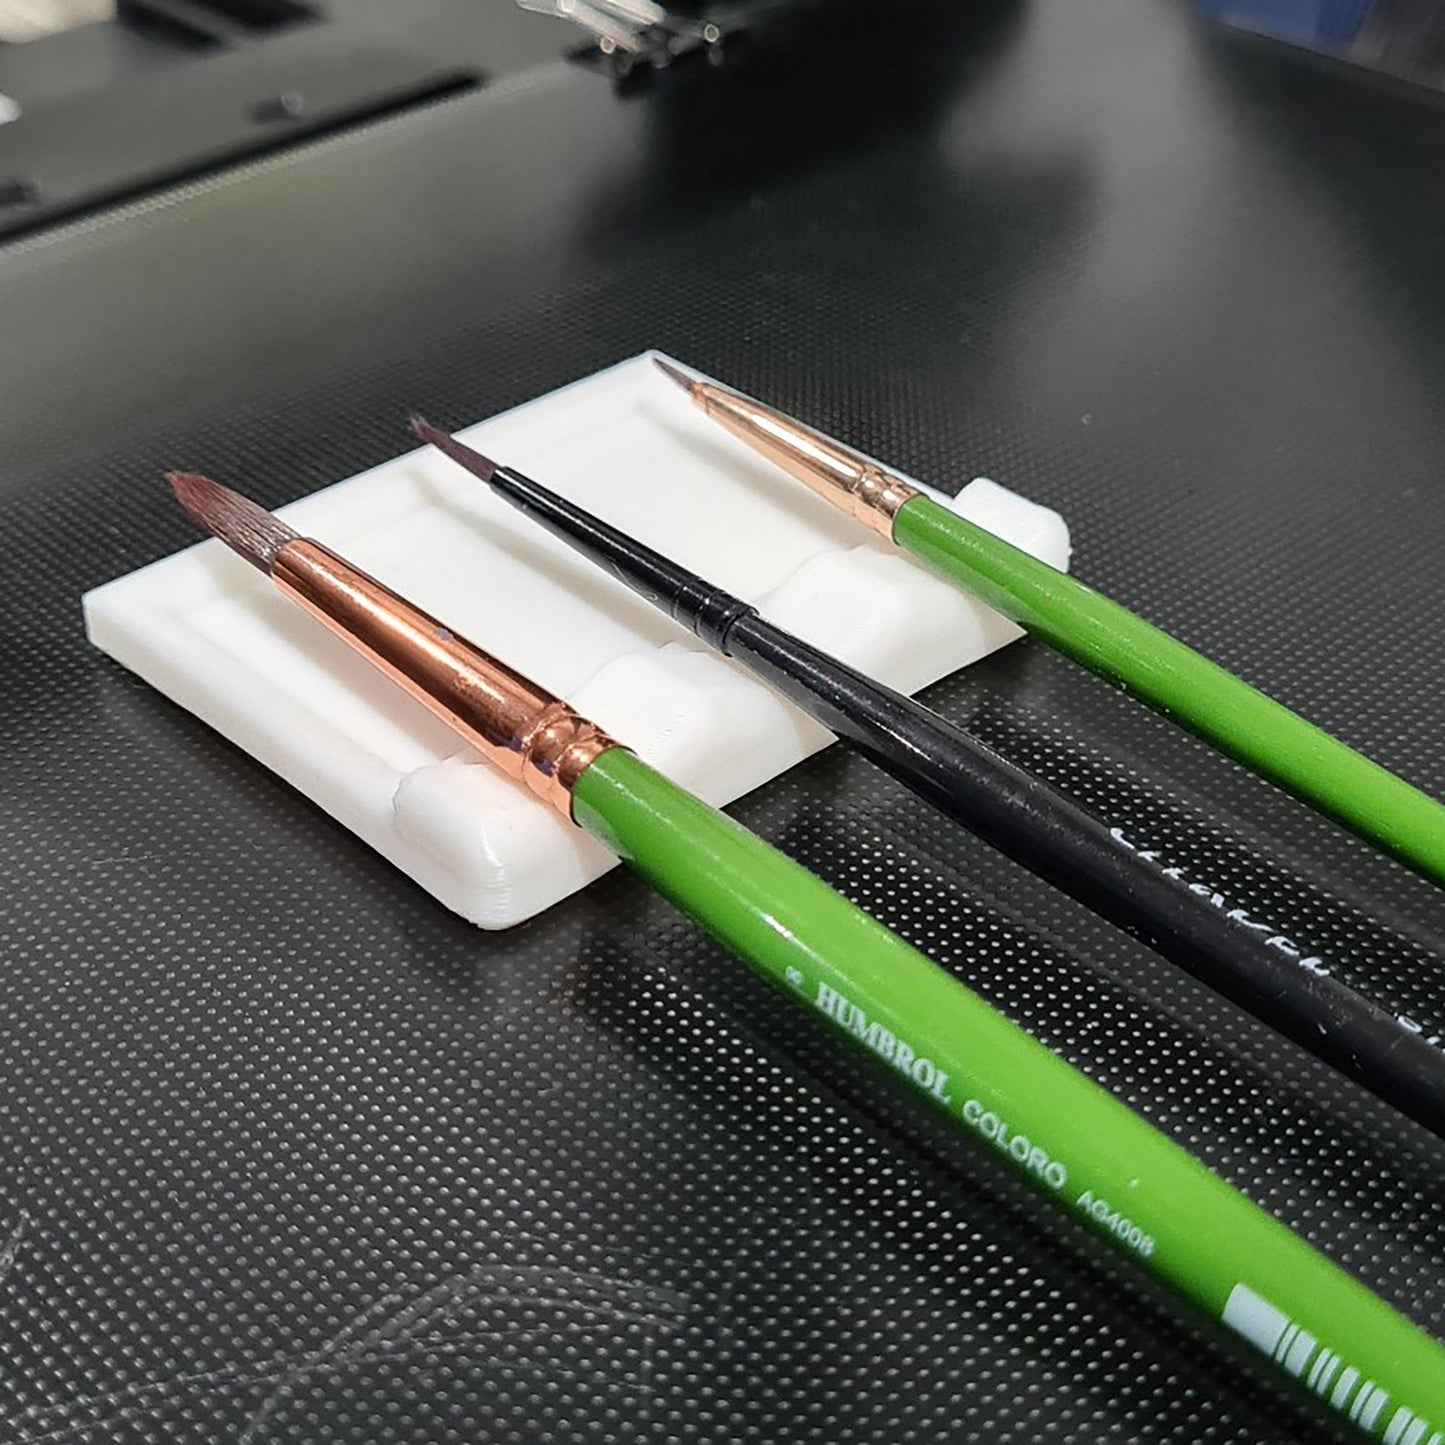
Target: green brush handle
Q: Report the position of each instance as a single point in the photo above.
(1102, 1163)
(1110, 640)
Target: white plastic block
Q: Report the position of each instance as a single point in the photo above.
(211, 633)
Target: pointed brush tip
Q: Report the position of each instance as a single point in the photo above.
(243, 525)
(198, 495)
(182, 483)
(688, 383)
(483, 468)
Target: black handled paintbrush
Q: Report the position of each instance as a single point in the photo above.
(1015, 811)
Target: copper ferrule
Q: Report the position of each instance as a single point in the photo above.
(516, 725)
(867, 492)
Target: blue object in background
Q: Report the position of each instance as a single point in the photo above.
(1324, 24)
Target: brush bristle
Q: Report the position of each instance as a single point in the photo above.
(479, 466)
(242, 525)
(686, 382)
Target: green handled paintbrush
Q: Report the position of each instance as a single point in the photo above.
(1101, 1163)
(1094, 630)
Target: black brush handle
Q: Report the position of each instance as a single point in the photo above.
(1025, 818)
(1070, 848)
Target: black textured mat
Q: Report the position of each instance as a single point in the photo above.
(291, 1154)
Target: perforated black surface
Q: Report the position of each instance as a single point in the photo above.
(291, 1154)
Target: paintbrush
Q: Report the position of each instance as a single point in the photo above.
(1218, 943)
(1075, 1142)
(1092, 629)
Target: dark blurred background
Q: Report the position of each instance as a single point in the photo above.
(104, 99)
